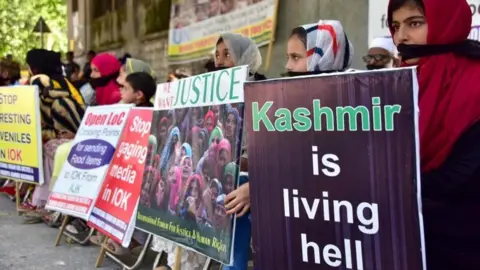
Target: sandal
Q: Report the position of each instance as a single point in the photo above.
(32, 220)
(53, 219)
(39, 212)
(115, 248)
(77, 226)
(26, 207)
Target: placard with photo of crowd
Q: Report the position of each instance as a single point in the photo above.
(194, 162)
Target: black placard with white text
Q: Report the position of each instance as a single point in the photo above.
(334, 173)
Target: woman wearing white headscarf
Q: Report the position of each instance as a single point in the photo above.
(318, 48)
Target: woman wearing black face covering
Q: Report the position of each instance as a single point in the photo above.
(46, 70)
(318, 48)
(105, 71)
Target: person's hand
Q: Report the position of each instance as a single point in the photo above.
(238, 201)
(178, 150)
(191, 205)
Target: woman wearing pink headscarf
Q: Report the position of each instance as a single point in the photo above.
(175, 183)
(105, 70)
(223, 156)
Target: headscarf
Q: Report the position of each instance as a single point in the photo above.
(134, 65)
(109, 68)
(449, 95)
(152, 147)
(45, 62)
(205, 161)
(174, 188)
(224, 144)
(203, 134)
(188, 192)
(216, 134)
(192, 178)
(328, 48)
(152, 141)
(188, 149)
(210, 114)
(238, 120)
(166, 150)
(243, 50)
(164, 121)
(231, 169)
(219, 185)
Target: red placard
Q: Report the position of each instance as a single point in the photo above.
(117, 200)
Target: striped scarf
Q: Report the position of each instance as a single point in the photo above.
(328, 47)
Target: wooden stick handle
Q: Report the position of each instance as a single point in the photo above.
(62, 229)
(17, 196)
(178, 259)
(101, 255)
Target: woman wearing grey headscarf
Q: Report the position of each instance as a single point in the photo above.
(237, 50)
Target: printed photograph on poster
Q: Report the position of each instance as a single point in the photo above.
(194, 166)
(196, 143)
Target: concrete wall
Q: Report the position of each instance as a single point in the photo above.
(352, 13)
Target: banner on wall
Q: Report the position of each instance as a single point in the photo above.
(196, 24)
(197, 130)
(378, 25)
(115, 209)
(20, 134)
(82, 174)
(347, 194)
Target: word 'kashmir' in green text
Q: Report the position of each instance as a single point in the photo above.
(336, 119)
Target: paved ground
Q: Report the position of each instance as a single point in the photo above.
(31, 247)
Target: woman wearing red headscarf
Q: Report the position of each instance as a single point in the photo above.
(105, 70)
(433, 35)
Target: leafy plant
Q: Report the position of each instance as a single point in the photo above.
(18, 18)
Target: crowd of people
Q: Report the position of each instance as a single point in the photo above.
(429, 34)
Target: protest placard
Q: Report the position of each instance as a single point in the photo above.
(115, 208)
(82, 175)
(197, 132)
(20, 134)
(195, 27)
(334, 172)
